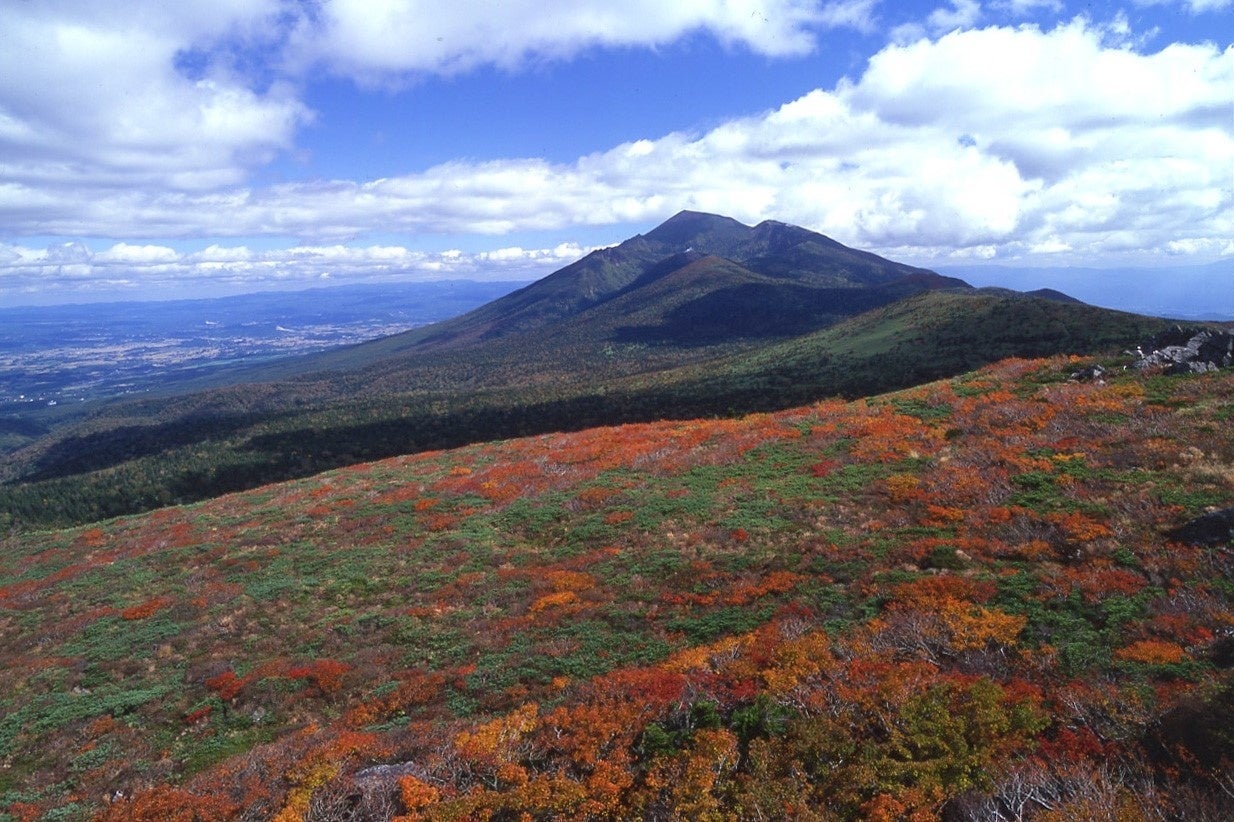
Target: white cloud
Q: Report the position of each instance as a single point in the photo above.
(1207, 247)
(91, 94)
(151, 113)
(999, 142)
(221, 254)
(1192, 6)
(125, 254)
(854, 14)
(1011, 138)
(1021, 8)
(962, 14)
(379, 41)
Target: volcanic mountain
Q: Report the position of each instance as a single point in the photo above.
(697, 279)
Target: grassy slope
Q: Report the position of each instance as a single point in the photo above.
(446, 590)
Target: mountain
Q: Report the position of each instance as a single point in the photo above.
(693, 268)
(770, 254)
(949, 602)
(701, 316)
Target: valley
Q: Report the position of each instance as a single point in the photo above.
(79, 353)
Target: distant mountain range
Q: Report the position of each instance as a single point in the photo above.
(701, 316)
(1191, 292)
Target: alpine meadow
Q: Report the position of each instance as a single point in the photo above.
(708, 410)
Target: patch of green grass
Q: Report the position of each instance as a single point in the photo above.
(533, 518)
(56, 711)
(718, 622)
(238, 736)
(432, 644)
(1194, 500)
(852, 479)
(111, 638)
(922, 410)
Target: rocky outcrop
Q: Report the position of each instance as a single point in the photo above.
(1216, 528)
(1180, 350)
(1093, 373)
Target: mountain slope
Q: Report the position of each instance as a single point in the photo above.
(930, 603)
(198, 449)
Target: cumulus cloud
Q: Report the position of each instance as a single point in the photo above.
(959, 14)
(1003, 142)
(98, 94)
(962, 14)
(137, 111)
(125, 254)
(1021, 8)
(378, 41)
(1192, 6)
(854, 14)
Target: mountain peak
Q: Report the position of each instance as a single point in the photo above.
(686, 216)
(697, 228)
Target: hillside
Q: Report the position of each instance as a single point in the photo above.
(153, 453)
(961, 599)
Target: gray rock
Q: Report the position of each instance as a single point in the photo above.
(386, 773)
(1187, 351)
(1175, 335)
(1172, 336)
(1193, 367)
(1219, 349)
(1216, 528)
(1090, 374)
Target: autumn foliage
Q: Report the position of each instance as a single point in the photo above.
(960, 601)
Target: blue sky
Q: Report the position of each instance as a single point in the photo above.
(219, 146)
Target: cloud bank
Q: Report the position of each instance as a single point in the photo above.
(978, 141)
(43, 275)
(193, 95)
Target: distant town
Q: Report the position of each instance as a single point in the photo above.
(54, 355)
(110, 365)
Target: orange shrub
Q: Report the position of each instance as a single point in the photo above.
(416, 795)
(902, 487)
(1151, 652)
(326, 674)
(145, 609)
(571, 580)
(554, 600)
